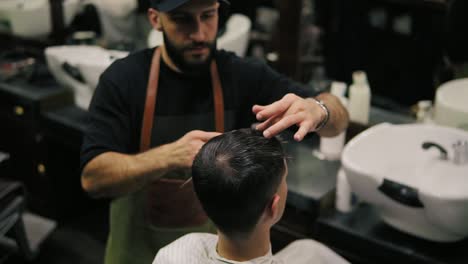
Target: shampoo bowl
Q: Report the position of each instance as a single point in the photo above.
(32, 18)
(79, 68)
(414, 186)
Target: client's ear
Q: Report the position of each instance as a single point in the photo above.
(274, 207)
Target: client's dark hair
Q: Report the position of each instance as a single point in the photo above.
(235, 176)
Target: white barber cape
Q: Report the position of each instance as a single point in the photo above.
(200, 248)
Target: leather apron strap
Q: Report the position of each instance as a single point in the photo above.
(218, 97)
(150, 103)
(171, 203)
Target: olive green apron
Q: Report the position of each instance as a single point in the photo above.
(143, 222)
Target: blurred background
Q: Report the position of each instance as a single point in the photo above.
(53, 51)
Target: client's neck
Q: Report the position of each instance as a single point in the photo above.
(255, 245)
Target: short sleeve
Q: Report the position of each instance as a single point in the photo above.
(108, 125)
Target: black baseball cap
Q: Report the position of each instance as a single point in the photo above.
(169, 5)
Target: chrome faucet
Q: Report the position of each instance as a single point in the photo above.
(443, 152)
(460, 151)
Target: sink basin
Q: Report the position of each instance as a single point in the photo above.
(79, 68)
(31, 19)
(418, 191)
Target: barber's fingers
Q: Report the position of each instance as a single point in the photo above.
(303, 130)
(209, 135)
(202, 135)
(283, 123)
(274, 109)
(267, 123)
(257, 108)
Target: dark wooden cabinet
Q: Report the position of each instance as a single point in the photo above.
(40, 156)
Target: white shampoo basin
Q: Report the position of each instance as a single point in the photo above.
(79, 68)
(31, 18)
(418, 190)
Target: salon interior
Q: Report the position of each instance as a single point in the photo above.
(392, 188)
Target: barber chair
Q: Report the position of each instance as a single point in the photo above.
(21, 233)
(12, 203)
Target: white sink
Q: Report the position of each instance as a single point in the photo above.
(31, 19)
(79, 68)
(414, 189)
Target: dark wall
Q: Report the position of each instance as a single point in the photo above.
(400, 66)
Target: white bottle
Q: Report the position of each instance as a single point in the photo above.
(344, 196)
(331, 147)
(359, 98)
(424, 114)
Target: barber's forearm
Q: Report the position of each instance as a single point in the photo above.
(113, 174)
(339, 117)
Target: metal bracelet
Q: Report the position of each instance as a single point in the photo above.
(327, 114)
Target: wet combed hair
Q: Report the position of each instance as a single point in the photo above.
(235, 176)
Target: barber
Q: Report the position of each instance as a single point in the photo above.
(153, 110)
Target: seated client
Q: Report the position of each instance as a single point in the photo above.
(240, 179)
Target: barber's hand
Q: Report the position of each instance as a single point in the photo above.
(183, 151)
(290, 110)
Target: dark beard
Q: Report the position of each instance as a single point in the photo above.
(189, 68)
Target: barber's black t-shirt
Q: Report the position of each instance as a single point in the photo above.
(183, 103)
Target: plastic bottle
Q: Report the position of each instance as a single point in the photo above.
(359, 98)
(331, 147)
(424, 114)
(344, 196)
